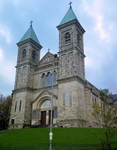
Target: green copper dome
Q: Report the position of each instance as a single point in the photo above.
(30, 34)
(70, 15)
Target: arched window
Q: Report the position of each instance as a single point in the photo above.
(24, 54)
(63, 62)
(33, 54)
(49, 79)
(35, 114)
(95, 100)
(15, 105)
(67, 38)
(54, 77)
(92, 99)
(64, 98)
(43, 80)
(20, 105)
(70, 97)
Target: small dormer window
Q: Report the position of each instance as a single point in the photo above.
(33, 54)
(67, 38)
(24, 54)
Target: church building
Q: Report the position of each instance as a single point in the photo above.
(73, 95)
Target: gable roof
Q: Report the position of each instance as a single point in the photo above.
(114, 97)
(44, 58)
(30, 34)
(69, 16)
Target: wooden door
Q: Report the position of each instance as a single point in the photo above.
(43, 117)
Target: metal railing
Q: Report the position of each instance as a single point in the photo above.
(66, 146)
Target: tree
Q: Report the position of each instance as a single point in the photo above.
(106, 115)
(5, 108)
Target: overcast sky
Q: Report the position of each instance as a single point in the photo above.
(98, 18)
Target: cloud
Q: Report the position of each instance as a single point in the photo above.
(7, 72)
(89, 60)
(7, 69)
(5, 33)
(1, 55)
(98, 16)
(87, 9)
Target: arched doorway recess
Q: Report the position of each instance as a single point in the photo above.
(41, 111)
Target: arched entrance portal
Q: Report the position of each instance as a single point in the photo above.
(41, 109)
(45, 110)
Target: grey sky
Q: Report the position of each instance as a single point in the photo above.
(98, 18)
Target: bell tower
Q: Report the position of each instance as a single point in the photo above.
(71, 79)
(27, 59)
(71, 49)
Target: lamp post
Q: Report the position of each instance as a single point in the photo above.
(52, 105)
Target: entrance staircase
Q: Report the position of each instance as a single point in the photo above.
(39, 125)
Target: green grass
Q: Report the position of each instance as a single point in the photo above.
(29, 137)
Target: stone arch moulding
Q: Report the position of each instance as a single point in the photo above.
(45, 95)
(42, 100)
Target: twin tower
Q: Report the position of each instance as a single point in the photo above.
(33, 82)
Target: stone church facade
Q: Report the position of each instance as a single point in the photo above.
(73, 94)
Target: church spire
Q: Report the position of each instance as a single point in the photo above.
(30, 34)
(69, 16)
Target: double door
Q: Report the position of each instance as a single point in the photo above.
(44, 117)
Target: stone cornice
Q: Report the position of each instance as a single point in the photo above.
(29, 40)
(44, 66)
(93, 89)
(70, 23)
(32, 89)
(48, 63)
(71, 50)
(93, 92)
(22, 89)
(68, 79)
(38, 70)
(26, 63)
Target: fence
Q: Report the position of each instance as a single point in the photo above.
(67, 146)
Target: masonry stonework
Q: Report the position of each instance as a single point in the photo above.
(73, 95)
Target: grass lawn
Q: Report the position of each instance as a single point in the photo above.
(29, 137)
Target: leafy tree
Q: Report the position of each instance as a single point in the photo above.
(106, 115)
(5, 108)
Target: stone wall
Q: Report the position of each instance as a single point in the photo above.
(17, 115)
(77, 108)
(91, 98)
(73, 122)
